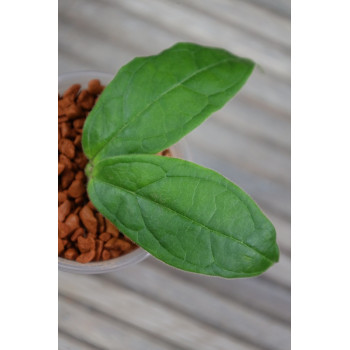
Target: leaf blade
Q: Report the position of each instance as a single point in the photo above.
(155, 101)
(216, 228)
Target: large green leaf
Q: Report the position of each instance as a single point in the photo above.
(185, 215)
(154, 101)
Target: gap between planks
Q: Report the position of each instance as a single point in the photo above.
(76, 36)
(67, 341)
(179, 287)
(138, 311)
(254, 19)
(174, 24)
(104, 331)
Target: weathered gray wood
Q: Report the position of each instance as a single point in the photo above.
(256, 293)
(88, 50)
(199, 28)
(102, 331)
(260, 87)
(248, 153)
(271, 196)
(174, 24)
(281, 7)
(283, 230)
(142, 313)
(280, 273)
(261, 123)
(67, 342)
(253, 18)
(151, 305)
(222, 313)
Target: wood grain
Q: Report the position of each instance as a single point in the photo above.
(151, 317)
(152, 305)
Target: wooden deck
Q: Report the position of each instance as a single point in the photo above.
(150, 305)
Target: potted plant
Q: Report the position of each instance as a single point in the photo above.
(188, 216)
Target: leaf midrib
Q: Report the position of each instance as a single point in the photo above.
(117, 132)
(186, 217)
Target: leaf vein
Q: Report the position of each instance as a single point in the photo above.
(188, 218)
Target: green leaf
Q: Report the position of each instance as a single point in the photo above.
(155, 101)
(188, 216)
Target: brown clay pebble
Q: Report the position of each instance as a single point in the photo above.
(123, 245)
(79, 200)
(63, 229)
(106, 255)
(77, 233)
(89, 221)
(86, 257)
(73, 222)
(62, 106)
(115, 253)
(95, 87)
(82, 231)
(76, 189)
(80, 175)
(99, 248)
(166, 153)
(67, 148)
(77, 140)
(66, 130)
(60, 168)
(80, 160)
(86, 244)
(78, 123)
(77, 210)
(86, 100)
(112, 243)
(105, 236)
(91, 206)
(62, 196)
(71, 93)
(60, 246)
(110, 228)
(101, 222)
(71, 254)
(66, 178)
(64, 209)
(93, 236)
(73, 111)
(64, 160)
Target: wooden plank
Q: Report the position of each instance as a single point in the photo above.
(151, 317)
(246, 152)
(258, 122)
(74, 37)
(250, 17)
(105, 22)
(68, 342)
(239, 114)
(268, 91)
(271, 196)
(67, 63)
(207, 306)
(102, 331)
(280, 273)
(256, 293)
(199, 28)
(170, 24)
(283, 230)
(281, 7)
(87, 50)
